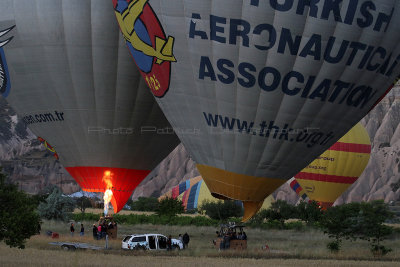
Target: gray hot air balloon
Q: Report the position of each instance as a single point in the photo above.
(267, 85)
(68, 75)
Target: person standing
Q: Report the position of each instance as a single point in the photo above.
(103, 229)
(82, 232)
(99, 231)
(181, 238)
(169, 243)
(95, 232)
(72, 229)
(186, 240)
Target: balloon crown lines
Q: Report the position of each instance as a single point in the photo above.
(310, 136)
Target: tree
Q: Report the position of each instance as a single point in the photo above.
(57, 206)
(144, 204)
(18, 217)
(358, 220)
(83, 203)
(281, 210)
(221, 210)
(340, 222)
(372, 228)
(169, 207)
(309, 212)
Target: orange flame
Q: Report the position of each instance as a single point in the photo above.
(108, 194)
(107, 198)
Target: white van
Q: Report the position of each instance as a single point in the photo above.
(149, 242)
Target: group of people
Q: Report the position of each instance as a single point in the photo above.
(100, 231)
(72, 230)
(227, 237)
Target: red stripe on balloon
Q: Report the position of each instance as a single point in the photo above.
(349, 147)
(326, 178)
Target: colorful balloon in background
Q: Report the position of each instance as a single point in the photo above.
(73, 83)
(193, 192)
(296, 187)
(256, 90)
(334, 171)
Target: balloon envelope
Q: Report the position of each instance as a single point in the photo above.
(296, 187)
(335, 170)
(193, 192)
(256, 90)
(72, 82)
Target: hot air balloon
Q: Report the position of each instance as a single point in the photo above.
(67, 73)
(256, 90)
(296, 187)
(179, 189)
(193, 192)
(335, 170)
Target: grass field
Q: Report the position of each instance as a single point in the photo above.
(287, 248)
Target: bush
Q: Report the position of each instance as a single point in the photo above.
(144, 204)
(334, 246)
(18, 217)
(340, 222)
(169, 207)
(259, 218)
(78, 217)
(359, 220)
(83, 203)
(372, 217)
(309, 212)
(221, 210)
(379, 250)
(57, 206)
(133, 219)
(294, 225)
(280, 210)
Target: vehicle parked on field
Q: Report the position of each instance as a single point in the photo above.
(149, 242)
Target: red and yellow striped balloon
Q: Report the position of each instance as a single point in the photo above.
(327, 177)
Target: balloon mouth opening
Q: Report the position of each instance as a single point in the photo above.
(219, 196)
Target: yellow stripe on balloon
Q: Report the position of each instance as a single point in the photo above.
(338, 163)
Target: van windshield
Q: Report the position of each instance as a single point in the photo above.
(126, 238)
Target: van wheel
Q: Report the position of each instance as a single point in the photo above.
(175, 247)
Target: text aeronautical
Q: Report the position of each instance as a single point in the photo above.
(334, 50)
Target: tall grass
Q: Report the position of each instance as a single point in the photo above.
(288, 244)
(40, 257)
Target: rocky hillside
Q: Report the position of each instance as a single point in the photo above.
(25, 159)
(383, 126)
(29, 164)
